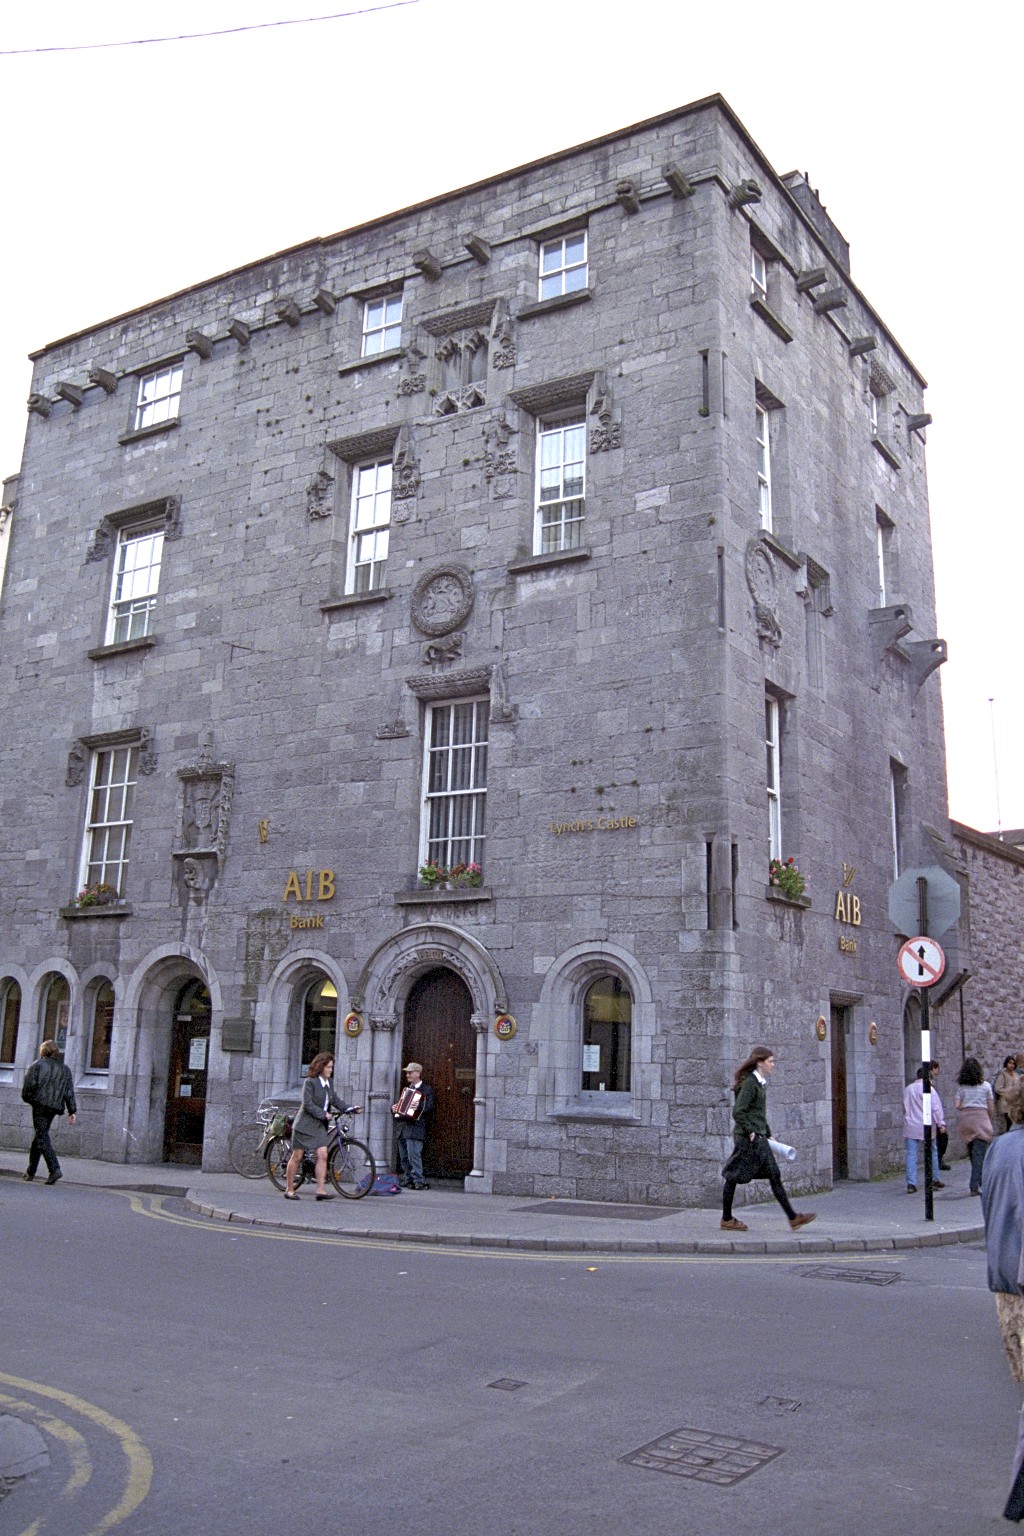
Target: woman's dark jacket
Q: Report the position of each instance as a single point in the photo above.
(49, 1084)
(750, 1111)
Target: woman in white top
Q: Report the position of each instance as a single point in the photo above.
(975, 1107)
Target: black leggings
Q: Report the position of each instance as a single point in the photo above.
(774, 1179)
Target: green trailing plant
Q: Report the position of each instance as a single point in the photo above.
(784, 874)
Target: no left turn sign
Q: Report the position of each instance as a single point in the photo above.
(921, 962)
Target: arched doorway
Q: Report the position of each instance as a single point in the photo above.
(187, 1075)
(438, 1032)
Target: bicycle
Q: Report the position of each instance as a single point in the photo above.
(350, 1163)
(247, 1143)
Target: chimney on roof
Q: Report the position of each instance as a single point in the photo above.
(814, 209)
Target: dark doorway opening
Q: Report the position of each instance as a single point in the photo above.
(840, 1137)
(185, 1117)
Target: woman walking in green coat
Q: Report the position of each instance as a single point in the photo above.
(753, 1158)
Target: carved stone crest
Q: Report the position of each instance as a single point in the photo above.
(763, 583)
(318, 495)
(405, 480)
(500, 459)
(607, 432)
(442, 600)
(503, 340)
(207, 790)
(446, 649)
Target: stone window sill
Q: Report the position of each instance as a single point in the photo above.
(122, 648)
(585, 1114)
(539, 562)
(887, 453)
(560, 301)
(93, 1082)
(425, 898)
(773, 893)
(113, 909)
(333, 605)
(770, 318)
(393, 354)
(139, 434)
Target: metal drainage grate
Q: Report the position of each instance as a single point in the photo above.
(853, 1276)
(506, 1384)
(592, 1208)
(781, 1404)
(706, 1458)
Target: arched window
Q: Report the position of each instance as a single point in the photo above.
(10, 1016)
(607, 1036)
(102, 1028)
(319, 1020)
(55, 1011)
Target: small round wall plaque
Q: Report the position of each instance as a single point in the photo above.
(353, 1025)
(821, 1028)
(505, 1026)
(873, 1033)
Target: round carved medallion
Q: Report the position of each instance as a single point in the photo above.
(442, 599)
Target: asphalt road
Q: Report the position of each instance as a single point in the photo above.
(184, 1376)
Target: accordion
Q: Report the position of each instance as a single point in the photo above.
(409, 1104)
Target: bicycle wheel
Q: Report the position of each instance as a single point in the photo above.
(276, 1160)
(244, 1153)
(352, 1169)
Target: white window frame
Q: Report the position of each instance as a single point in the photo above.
(382, 324)
(758, 274)
(560, 508)
(159, 396)
(136, 582)
(561, 269)
(773, 774)
(764, 466)
(884, 556)
(369, 526)
(897, 791)
(108, 824)
(452, 824)
(874, 415)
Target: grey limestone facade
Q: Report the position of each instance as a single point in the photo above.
(989, 1025)
(572, 525)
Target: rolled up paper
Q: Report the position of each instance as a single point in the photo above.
(781, 1150)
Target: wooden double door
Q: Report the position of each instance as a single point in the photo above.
(438, 1032)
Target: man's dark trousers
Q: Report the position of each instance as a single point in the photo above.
(42, 1146)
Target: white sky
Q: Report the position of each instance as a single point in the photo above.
(132, 172)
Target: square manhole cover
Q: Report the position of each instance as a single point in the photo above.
(506, 1384)
(850, 1275)
(782, 1404)
(704, 1457)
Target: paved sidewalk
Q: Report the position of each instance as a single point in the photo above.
(852, 1218)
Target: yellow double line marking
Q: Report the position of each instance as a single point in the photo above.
(140, 1464)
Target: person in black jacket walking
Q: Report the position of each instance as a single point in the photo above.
(49, 1089)
(753, 1158)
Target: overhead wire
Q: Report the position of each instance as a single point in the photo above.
(185, 37)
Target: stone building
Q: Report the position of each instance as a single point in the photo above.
(568, 531)
(990, 1024)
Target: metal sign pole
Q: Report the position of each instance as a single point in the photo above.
(926, 1061)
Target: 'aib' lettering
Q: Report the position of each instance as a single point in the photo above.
(847, 908)
(297, 890)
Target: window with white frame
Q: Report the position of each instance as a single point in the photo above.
(370, 526)
(758, 274)
(159, 397)
(108, 826)
(773, 774)
(102, 1030)
(136, 579)
(885, 557)
(607, 1036)
(455, 783)
(561, 461)
(563, 265)
(382, 324)
(764, 467)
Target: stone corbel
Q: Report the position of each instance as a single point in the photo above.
(888, 627)
(40, 406)
(810, 278)
(861, 344)
(199, 343)
(919, 422)
(288, 311)
(427, 263)
(677, 183)
(325, 301)
(477, 247)
(832, 298)
(72, 393)
(319, 496)
(239, 331)
(106, 380)
(924, 656)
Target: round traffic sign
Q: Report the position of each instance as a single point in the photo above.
(921, 962)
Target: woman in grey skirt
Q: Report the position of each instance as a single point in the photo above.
(309, 1132)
